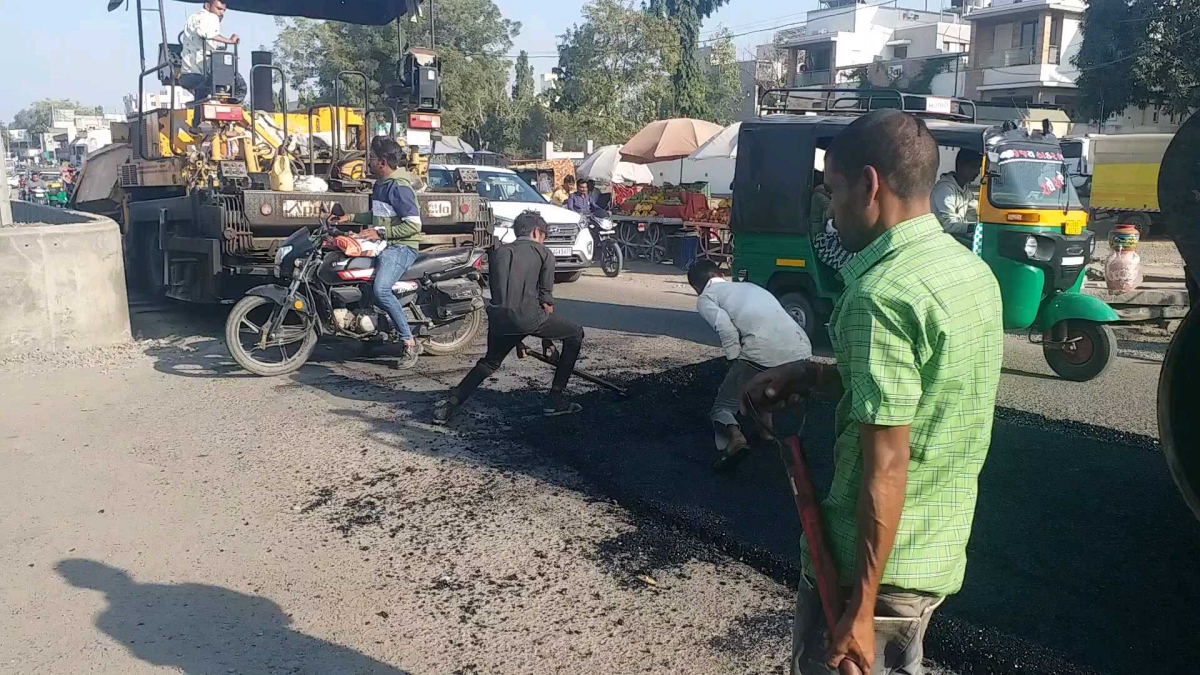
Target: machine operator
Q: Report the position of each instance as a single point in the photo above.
(202, 35)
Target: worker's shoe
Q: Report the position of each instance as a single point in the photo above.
(445, 410)
(408, 359)
(734, 453)
(558, 405)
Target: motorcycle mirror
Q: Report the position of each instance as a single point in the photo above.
(338, 210)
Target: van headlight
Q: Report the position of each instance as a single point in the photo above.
(1031, 247)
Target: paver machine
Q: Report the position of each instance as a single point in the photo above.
(206, 190)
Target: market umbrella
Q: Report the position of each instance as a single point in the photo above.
(605, 164)
(666, 140)
(721, 146)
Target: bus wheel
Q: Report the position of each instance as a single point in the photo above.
(1088, 351)
(1141, 221)
(797, 305)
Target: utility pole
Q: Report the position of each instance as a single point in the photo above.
(6, 218)
(432, 42)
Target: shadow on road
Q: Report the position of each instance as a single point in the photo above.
(201, 629)
(684, 325)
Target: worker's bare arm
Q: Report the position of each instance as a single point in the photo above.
(885, 456)
(774, 388)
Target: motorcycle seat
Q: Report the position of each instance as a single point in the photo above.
(437, 261)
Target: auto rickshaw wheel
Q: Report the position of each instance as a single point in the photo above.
(800, 308)
(1082, 352)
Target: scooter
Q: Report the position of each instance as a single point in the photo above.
(608, 251)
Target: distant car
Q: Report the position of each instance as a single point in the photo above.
(14, 181)
(508, 195)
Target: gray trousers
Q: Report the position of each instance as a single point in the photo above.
(901, 618)
(729, 398)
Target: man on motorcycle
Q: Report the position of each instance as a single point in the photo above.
(522, 285)
(395, 216)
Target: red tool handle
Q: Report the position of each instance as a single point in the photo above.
(818, 546)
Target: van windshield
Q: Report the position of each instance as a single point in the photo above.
(1031, 179)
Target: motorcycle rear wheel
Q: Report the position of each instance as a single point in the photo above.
(463, 334)
(294, 346)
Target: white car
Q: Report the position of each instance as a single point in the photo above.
(508, 195)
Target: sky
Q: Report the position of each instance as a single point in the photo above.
(80, 51)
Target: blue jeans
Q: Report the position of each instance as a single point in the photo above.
(391, 264)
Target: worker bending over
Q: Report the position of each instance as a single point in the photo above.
(521, 278)
(756, 334)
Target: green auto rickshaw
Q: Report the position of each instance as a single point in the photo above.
(1032, 228)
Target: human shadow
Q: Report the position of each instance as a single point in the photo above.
(202, 629)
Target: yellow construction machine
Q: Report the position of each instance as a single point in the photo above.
(205, 190)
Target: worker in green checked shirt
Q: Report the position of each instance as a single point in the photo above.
(918, 339)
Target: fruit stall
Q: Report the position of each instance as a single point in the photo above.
(649, 219)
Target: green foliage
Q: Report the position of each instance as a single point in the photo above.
(687, 78)
(612, 82)
(36, 117)
(722, 81)
(523, 89)
(1141, 53)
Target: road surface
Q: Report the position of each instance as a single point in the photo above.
(167, 510)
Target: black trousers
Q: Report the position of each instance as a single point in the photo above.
(500, 343)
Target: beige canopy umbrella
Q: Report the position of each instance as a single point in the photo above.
(666, 140)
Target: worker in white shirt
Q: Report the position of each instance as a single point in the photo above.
(952, 201)
(756, 334)
(202, 35)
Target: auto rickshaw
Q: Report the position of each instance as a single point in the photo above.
(1032, 228)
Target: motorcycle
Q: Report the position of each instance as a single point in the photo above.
(608, 251)
(37, 195)
(274, 329)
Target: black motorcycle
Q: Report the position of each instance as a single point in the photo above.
(608, 251)
(274, 329)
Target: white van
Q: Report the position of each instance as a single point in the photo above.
(508, 195)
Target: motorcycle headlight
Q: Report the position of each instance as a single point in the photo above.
(281, 253)
(606, 224)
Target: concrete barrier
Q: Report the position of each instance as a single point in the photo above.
(62, 286)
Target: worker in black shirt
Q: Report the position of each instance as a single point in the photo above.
(521, 277)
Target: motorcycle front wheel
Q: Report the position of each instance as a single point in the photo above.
(279, 354)
(611, 258)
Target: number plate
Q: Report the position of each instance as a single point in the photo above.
(438, 209)
(561, 252)
(1075, 227)
(304, 208)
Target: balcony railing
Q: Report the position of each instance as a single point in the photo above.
(1017, 56)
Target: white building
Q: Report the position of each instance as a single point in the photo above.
(545, 82)
(1021, 51)
(892, 46)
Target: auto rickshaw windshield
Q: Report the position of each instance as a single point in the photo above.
(1030, 178)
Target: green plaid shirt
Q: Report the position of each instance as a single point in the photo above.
(919, 341)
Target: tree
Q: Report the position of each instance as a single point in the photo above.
(686, 79)
(36, 117)
(523, 89)
(722, 80)
(614, 72)
(1141, 53)
(472, 39)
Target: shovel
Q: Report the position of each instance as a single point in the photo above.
(791, 450)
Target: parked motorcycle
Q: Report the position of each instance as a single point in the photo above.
(608, 251)
(274, 329)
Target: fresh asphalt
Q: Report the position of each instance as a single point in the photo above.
(1082, 557)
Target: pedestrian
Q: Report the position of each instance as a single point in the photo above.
(918, 338)
(395, 216)
(521, 279)
(756, 333)
(560, 195)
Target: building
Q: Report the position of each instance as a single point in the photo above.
(847, 41)
(1021, 52)
(545, 82)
